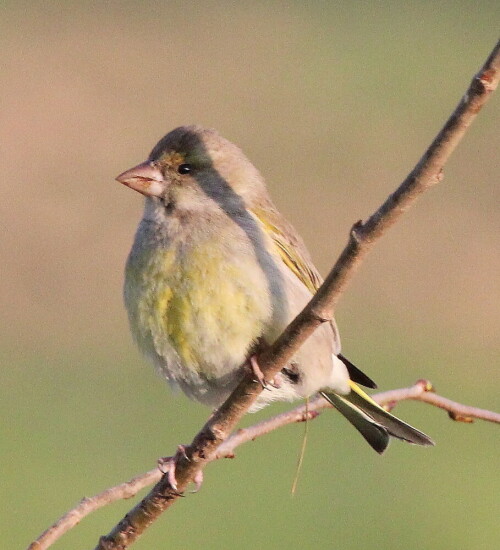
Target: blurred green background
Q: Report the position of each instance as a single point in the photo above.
(334, 102)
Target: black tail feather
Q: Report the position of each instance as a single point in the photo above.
(374, 433)
(357, 375)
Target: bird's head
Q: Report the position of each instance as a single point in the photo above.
(192, 168)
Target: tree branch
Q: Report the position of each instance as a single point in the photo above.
(206, 446)
(422, 391)
(426, 173)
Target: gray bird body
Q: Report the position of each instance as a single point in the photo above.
(256, 305)
(216, 273)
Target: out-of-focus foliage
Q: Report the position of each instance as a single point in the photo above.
(335, 102)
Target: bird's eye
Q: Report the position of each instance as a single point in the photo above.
(184, 168)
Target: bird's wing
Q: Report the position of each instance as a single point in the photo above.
(295, 256)
(293, 253)
(290, 246)
(371, 420)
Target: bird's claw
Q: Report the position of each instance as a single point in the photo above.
(259, 375)
(172, 480)
(260, 378)
(198, 481)
(167, 465)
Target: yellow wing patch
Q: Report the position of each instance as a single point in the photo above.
(289, 252)
(295, 257)
(364, 395)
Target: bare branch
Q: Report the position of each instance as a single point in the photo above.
(427, 172)
(422, 390)
(88, 505)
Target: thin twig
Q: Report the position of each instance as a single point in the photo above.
(88, 505)
(427, 172)
(422, 390)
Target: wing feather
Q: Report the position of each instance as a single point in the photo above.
(290, 246)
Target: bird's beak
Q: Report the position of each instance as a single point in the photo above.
(145, 178)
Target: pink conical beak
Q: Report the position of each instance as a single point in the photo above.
(145, 178)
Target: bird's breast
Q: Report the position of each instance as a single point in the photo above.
(196, 306)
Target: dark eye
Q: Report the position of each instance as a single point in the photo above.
(184, 168)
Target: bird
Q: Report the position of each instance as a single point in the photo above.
(216, 273)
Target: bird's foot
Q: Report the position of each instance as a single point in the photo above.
(259, 375)
(167, 465)
(198, 481)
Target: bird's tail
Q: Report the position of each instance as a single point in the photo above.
(373, 422)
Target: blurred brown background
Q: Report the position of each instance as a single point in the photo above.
(334, 102)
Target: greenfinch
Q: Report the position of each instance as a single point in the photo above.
(216, 273)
